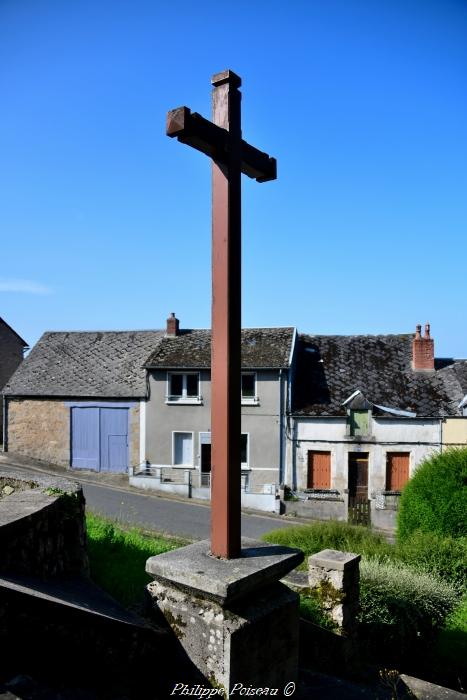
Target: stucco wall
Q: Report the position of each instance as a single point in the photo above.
(420, 437)
(455, 431)
(40, 429)
(260, 421)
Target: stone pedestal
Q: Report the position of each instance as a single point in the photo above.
(236, 622)
(335, 576)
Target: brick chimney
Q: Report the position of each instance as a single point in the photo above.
(423, 349)
(172, 325)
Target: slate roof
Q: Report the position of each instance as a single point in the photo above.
(23, 342)
(330, 368)
(107, 364)
(262, 348)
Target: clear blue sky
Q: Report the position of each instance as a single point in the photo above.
(105, 222)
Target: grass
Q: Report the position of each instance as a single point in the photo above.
(118, 557)
(332, 535)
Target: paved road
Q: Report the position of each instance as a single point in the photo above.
(165, 515)
(182, 518)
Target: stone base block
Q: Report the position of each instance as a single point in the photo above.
(254, 642)
(234, 619)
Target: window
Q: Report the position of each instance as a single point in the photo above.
(183, 387)
(359, 422)
(319, 470)
(397, 470)
(249, 388)
(183, 449)
(244, 449)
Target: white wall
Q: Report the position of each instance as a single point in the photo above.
(419, 436)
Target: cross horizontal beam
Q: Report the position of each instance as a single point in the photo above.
(212, 140)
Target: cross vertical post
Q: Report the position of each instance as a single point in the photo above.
(226, 323)
(231, 156)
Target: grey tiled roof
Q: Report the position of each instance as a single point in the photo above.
(107, 364)
(330, 368)
(261, 348)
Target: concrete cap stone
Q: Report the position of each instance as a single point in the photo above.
(224, 580)
(333, 559)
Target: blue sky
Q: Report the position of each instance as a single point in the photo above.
(105, 222)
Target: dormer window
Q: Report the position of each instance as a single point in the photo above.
(183, 387)
(359, 422)
(249, 388)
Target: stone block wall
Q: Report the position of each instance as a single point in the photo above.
(40, 429)
(11, 356)
(42, 527)
(133, 436)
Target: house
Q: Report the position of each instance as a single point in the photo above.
(454, 427)
(76, 399)
(367, 410)
(12, 348)
(178, 411)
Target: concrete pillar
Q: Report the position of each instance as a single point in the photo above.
(335, 577)
(235, 620)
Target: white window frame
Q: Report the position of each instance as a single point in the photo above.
(250, 400)
(185, 432)
(183, 399)
(246, 465)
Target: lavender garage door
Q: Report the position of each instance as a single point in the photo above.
(114, 439)
(85, 452)
(99, 438)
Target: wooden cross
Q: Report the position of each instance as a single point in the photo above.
(231, 156)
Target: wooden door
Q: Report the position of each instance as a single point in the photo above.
(85, 438)
(358, 475)
(319, 470)
(114, 439)
(397, 470)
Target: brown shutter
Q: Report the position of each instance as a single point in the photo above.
(319, 470)
(397, 470)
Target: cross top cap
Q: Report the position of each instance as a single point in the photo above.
(227, 76)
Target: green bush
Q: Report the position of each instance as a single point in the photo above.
(435, 499)
(402, 608)
(331, 535)
(445, 556)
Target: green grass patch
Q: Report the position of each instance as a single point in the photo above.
(118, 557)
(332, 535)
(311, 610)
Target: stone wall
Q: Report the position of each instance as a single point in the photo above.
(40, 429)
(133, 436)
(11, 356)
(42, 528)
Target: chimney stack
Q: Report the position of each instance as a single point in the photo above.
(423, 349)
(172, 325)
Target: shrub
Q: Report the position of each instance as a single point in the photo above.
(331, 535)
(402, 606)
(445, 556)
(435, 499)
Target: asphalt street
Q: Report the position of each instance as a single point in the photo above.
(166, 515)
(174, 517)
